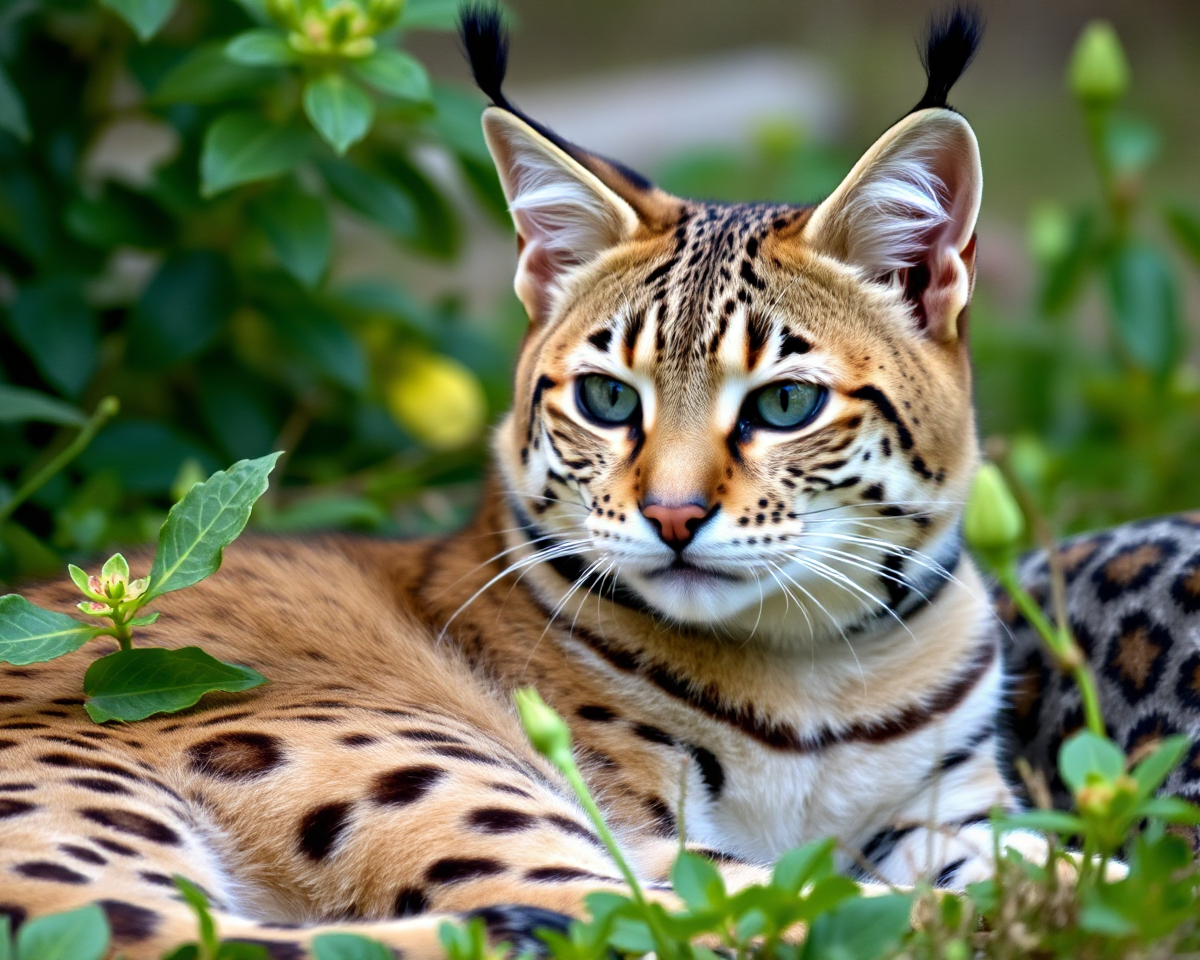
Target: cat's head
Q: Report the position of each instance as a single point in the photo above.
(723, 406)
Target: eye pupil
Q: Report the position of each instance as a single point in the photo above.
(785, 395)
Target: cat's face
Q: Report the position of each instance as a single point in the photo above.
(726, 409)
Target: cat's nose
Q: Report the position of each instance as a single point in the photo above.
(675, 524)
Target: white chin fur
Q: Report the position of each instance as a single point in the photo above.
(693, 599)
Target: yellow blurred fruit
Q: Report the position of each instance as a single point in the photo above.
(437, 400)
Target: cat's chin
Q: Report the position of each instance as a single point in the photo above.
(694, 595)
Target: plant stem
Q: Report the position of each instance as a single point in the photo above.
(105, 410)
(1062, 647)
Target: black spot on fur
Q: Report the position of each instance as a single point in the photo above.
(45, 870)
(410, 902)
(129, 922)
(17, 787)
(710, 770)
(518, 926)
(158, 879)
(563, 875)
(946, 876)
(595, 713)
(873, 395)
(429, 736)
(14, 808)
(358, 740)
(465, 753)
(500, 820)
(321, 829)
(113, 847)
(405, 785)
(664, 819)
(461, 869)
(82, 853)
(236, 756)
(99, 785)
(126, 821)
(793, 344)
(653, 734)
(601, 339)
(567, 825)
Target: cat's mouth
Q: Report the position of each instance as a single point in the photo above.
(681, 570)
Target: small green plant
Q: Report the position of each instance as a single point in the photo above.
(135, 682)
(81, 934)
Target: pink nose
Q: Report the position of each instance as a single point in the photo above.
(675, 524)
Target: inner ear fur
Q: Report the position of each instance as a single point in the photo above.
(568, 208)
(906, 214)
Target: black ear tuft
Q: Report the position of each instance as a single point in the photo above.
(949, 48)
(485, 42)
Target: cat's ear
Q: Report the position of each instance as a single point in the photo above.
(906, 213)
(565, 215)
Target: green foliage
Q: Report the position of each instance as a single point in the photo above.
(132, 684)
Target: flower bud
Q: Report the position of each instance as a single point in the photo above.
(88, 586)
(547, 731)
(1098, 74)
(992, 521)
(383, 13)
(94, 609)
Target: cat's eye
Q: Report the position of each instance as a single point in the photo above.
(606, 400)
(785, 405)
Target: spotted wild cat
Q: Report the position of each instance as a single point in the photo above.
(721, 537)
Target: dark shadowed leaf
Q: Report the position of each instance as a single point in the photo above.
(13, 117)
(396, 74)
(373, 196)
(135, 684)
(145, 16)
(297, 225)
(145, 455)
(29, 634)
(322, 344)
(81, 934)
(1185, 226)
(1145, 306)
(339, 108)
(860, 929)
(208, 76)
(202, 524)
(260, 48)
(118, 218)
(437, 230)
(242, 147)
(59, 330)
(1064, 275)
(182, 309)
(18, 405)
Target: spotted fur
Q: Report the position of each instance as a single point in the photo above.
(803, 651)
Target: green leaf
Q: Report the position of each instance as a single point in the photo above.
(372, 195)
(297, 225)
(348, 946)
(860, 929)
(145, 16)
(339, 108)
(796, 867)
(260, 48)
(396, 74)
(116, 565)
(29, 634)
(55, 325)
(322, 344)
(1085, 753)
(119, 217)
(6, 944)
(13, 117)
(1170, 810)
(1152, 771)
(243, 147)
(430, 15)
(144, 621)
(80, 578)
(697, 881)
(182, 309)
(1046, 821)
(202, 524)
(233, 950)
(1131, 144)
(81, 934)
(194, 897)
(1145, 306)
(18, 405)
(134, 684)
(1185, 226)
(208, 76)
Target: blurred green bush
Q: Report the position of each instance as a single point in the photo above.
(190, 279)
(173, 176)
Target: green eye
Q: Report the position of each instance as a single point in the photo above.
(786, 405)
(606, 400)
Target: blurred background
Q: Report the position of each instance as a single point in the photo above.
(272, 224)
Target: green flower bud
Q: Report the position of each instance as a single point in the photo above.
(547, 731)
(1098, 74)
(383, 13)
(992, 522)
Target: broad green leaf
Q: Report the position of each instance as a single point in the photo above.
(182, 309)
(13, 117)
(396, 74)
(348, 946)
(297, 225)
(1105, 919)
(1152, 771)
(18, 405)
(1170, 810)
(372, 195)
(145, 16)
(260, 48)
(29, 634)
(55, 325)
(243, 147)
(202, 524)
(1145, 306)
(796, 867)
(1085, 753)
(697, 881)
(22, 554)
(134, 684)
(1185, 226)
(208, 76)
(860, 929)
(339, 108)
(81, 934)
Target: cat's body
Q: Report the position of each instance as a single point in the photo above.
(721, 538)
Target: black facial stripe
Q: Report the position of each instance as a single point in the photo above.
(601, 339)
(873, 395)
